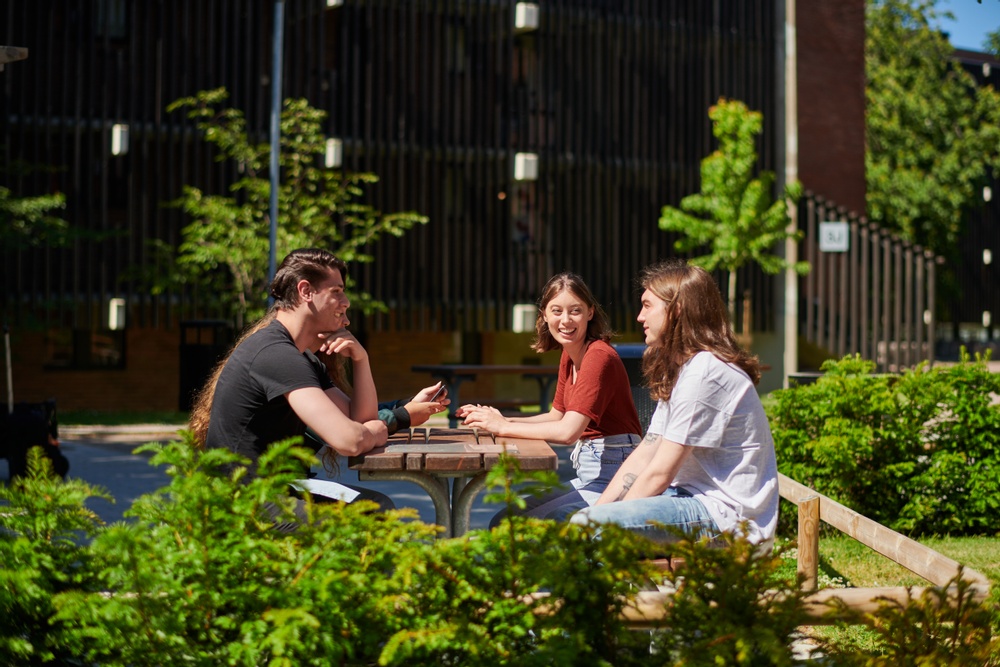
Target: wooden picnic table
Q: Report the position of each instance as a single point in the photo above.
(454, 375)
(450, 464)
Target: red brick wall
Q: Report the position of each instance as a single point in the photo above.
(393, 354)
(150, 379)
(148, 382)
(831, 95)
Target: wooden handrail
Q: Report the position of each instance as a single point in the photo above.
(649, 609)
(918, 558)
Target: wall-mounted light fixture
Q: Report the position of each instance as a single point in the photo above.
(334, 3)
(524, 317)
(987, 256)
(525, 166)
(525, 16)
(119, 139)
(987, 319)
(334, 153)
(116, 314)
(987, 193)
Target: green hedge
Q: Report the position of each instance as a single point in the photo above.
(198, 577)
(918, 452)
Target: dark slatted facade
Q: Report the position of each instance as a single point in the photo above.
(436, 97)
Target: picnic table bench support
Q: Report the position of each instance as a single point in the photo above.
(436, 488)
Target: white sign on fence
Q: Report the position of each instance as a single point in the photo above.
(834, 236)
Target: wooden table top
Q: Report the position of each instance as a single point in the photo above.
(453, 450)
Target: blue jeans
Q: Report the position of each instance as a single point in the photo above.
(674, 508)
(596, 465)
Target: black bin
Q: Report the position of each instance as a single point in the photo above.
(30, 425)
(631, 355)
(203, 344)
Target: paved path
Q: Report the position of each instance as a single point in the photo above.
(106, 458)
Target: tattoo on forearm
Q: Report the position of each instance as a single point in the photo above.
(627, 481)
(650, 439)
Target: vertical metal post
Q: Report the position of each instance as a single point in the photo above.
(279, 32)
(789, 75)
(10, 375)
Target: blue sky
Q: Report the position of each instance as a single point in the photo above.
(972, 21)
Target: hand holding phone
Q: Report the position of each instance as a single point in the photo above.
(440, 392)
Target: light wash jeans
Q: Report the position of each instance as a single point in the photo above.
(596, 463)
(674, 508)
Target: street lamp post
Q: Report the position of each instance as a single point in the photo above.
(279, 32)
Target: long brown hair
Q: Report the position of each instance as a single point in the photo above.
(697, 320)
(202, 409)
(598, 328)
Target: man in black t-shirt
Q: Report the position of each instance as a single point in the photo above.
(271, 389)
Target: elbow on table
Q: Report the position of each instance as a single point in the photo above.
(356, 443)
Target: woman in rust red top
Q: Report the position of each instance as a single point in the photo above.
(592, 408)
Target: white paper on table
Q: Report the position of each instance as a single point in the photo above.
(327, 489)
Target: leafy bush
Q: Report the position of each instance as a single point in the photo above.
(753, 614)
(942, 626)
(200, 576)
(918, 452)
(43, 527)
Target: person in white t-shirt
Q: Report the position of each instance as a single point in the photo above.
(706, 464)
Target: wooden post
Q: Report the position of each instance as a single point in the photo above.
(808, 563)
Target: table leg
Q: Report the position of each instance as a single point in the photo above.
(544, 381)
(462, 503)
(435, 487)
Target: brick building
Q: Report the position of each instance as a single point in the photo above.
(439, 98)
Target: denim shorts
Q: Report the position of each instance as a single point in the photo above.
(597, 460)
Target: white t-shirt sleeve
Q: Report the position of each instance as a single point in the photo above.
(697, 414)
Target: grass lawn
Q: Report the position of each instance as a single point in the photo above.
(844, 557)
(846, 562)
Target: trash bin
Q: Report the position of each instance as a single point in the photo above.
(203, 344)
(631, 355)
(30, 425)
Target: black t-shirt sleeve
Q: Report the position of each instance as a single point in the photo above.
(281, 369)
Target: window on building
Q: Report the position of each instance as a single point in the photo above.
(85, 349)
(111, 19)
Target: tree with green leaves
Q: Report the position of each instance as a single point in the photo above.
(29, 222)
(735, 217)
(933, 134)
(226, 246)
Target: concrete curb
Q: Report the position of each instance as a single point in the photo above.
(129, 433)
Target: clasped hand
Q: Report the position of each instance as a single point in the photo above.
(481, 416)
